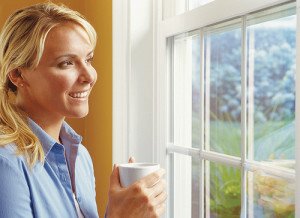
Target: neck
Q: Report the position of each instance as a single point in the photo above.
(51, 127)
(49, 122)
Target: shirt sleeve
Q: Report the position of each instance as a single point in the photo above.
(14, 192)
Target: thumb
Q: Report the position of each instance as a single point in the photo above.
(114, 178)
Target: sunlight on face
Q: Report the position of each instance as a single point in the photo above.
(60, 85)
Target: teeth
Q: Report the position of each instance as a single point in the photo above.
(79, 94)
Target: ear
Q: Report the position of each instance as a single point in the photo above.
(16, 78)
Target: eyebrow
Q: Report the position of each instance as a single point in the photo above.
(72, 55)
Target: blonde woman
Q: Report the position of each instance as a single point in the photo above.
(46, 74)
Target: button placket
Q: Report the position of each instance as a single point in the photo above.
(62, 166)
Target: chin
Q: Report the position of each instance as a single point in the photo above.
(79, 114)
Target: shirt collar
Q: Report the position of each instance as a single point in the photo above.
(66, 134)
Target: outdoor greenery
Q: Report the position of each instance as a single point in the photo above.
(274, 113)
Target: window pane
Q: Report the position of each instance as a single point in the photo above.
(223, 191)
(271, 71)
(223, 75)
(186, 90)
(271, 45)
(186, 186)
(270, 196)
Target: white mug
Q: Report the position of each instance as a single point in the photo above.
(131, 172)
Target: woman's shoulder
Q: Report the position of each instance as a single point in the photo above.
(10, 157)
(83, 152)
(84, 155)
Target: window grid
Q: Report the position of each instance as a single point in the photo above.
(203, 154)
(244, 119)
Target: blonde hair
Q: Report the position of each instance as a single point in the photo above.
(22, 43)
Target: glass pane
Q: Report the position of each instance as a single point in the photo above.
(223, 191)
(271, 71)
(186, 186)
(223, 74)
(186, 90)
(270, 196)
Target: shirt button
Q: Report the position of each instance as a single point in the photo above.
(78, 199)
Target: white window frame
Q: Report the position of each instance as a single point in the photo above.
(126, 137)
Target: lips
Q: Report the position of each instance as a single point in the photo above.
(79, 95)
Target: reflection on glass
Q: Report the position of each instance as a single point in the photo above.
(196, 98)
(224, 191)
(186, 90)
(223, 69)
(270, 196)
(186, 186)
(271, 70)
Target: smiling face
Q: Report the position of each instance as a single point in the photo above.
(60, 85)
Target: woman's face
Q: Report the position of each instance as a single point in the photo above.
(60, 85)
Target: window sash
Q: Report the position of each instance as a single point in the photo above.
(241, 162)
(210, 14)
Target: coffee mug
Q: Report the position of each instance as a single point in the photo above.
(131, 172)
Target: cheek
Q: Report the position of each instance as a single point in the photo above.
(59, 86)
(62, 83)
(95, 75)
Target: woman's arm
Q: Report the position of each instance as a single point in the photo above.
(14, 192)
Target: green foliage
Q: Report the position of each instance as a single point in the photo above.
(225, 191)
(273, 92)
(225, 187)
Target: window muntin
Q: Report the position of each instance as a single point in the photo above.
(244, 165)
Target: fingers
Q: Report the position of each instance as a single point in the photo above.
(157, 205)
(153, 178)
(158, 188)
(160, 199)
(131, 160)
(160, 209)
(114, 178)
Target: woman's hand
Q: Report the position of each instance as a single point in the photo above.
(143, 199)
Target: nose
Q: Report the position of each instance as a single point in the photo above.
(87, 75)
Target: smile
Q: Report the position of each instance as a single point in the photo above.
(79, 94)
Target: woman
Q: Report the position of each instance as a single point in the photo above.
(46, 74)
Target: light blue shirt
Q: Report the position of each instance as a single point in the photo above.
(46, 189)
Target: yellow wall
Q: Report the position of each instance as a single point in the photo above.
(96, 128)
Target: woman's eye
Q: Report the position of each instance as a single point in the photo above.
(66, 64)
(89, 60)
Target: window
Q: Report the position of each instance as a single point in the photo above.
(208, 90)
(231, 109)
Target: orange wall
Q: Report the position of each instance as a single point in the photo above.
(96, 128)
(98, 124)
